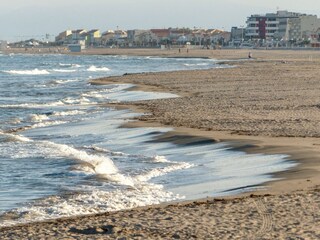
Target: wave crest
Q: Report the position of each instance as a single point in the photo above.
(98, 69)
(35, 71)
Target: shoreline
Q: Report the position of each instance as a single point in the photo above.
(224, 53)
(305, 151)
(304, 176)
(300, 186)
(249, 217)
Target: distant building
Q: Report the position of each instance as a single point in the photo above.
(93, 37)
(144, 38)
(111, 37)
(237, 35)
(315, 38)
(3, 45)
(303, 27)
(216, 36)
(107, 38)
(281, 26)
(79, 34)
(71, 37)
(138, 37)
(63, 37)
(160, 36)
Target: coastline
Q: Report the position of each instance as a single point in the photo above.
(303, 148)
(301, 184)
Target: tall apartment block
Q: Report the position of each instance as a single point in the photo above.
(282, 25)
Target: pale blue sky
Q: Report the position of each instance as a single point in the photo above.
(22, 19)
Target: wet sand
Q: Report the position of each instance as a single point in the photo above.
(269, 104)
(288, 216)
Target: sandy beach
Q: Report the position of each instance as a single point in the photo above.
(268, 104)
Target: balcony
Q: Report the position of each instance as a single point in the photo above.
(252, 28)
(272, 28)
(272, 22)
(269, 34)
(251, 34)
(252, 22)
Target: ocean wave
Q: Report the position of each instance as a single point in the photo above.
(33, 105)
(64, 70)
(102, 150)
(97, 164)
(196, 64)
(37, 117)
(80, 101)
(47, 124)
(15, 120)
(35, 71)
(15, 137)
(160, 159)
(100, 164)
(98, 69)
(57, 82)
(69, 113)
(92, 202)
(63, 102)
(69, 65)
(163, 171)
(92, 94)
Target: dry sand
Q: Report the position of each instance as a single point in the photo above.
(269, 104)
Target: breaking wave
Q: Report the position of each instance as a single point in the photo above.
(64, 70)
(97, 69)
(69, 65)
(35, 71)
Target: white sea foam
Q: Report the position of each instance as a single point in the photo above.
(47, 124)
(98, 69)
(67, 81)
(37, 117)
(100, 164)
(102, 150)
(97, 164)
(94, 94)
(35, 71)
(66, 101)
(69, 65)
(33, 105)
(64, 70)
(196, 64)
(65, 64)
(80, 101)
(160, 159)
(69, 113)
(16, 137)
(90, 203)
(56, 82)
(162, 171)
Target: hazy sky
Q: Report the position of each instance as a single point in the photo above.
(22, 19)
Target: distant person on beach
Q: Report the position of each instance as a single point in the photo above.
(250, 55)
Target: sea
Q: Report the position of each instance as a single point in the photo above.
(64, 152)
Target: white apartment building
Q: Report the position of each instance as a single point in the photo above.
(303, 27)
(282, 25)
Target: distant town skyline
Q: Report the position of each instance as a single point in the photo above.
(20, 19)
